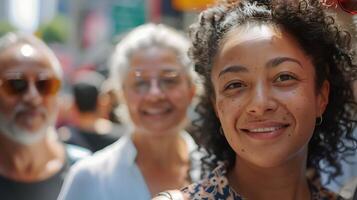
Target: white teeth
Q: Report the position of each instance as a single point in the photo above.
(262, 130)
(156, 111)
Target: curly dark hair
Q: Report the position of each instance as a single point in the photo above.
(320, 38)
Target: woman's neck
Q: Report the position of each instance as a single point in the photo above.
(31, 162)
(161, 150)
(163, 161)
(287, 181)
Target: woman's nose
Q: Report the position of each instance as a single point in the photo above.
(261, 101)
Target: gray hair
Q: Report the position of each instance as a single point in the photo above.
(14, 38)
(146, 36)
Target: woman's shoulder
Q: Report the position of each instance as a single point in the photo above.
(214, 186)
(108, 160)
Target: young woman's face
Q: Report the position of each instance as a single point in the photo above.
(265, 95)
(157, 91)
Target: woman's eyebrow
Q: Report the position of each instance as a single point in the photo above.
(271, 63)
(233, 69)
(277, 61)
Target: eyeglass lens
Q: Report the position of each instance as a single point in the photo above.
(165, 80)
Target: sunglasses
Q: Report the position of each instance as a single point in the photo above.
(18, 86)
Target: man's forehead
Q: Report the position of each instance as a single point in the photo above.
(23, 54)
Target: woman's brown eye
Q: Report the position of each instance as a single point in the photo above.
(234, 86)
(285, 77)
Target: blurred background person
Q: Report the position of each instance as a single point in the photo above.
(33, 162)
(110, 109)
(91, 127)
(155, 79)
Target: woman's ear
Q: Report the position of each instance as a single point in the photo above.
(323, 97)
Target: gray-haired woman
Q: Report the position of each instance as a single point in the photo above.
(154, 78)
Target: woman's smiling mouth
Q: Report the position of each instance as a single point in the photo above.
(265, 130)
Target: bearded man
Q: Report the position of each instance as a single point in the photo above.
(32, 161)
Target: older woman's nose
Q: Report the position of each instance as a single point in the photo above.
(155, 91)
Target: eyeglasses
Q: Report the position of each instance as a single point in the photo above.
(17, 86)
(166, 80)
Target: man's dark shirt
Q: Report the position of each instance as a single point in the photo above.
(47, 189)
(41, 190)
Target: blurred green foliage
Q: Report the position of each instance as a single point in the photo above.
(6, 27)
(56, 31)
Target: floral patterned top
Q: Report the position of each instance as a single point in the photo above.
(216, 187)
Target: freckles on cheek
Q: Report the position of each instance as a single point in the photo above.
(286, 116)
(227, 107)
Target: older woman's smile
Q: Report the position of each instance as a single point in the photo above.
(158, 111)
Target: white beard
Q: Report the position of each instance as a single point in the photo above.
(11, 130)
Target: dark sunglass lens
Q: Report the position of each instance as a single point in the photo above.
(15, 86)
(48, 86)
(349, 6)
